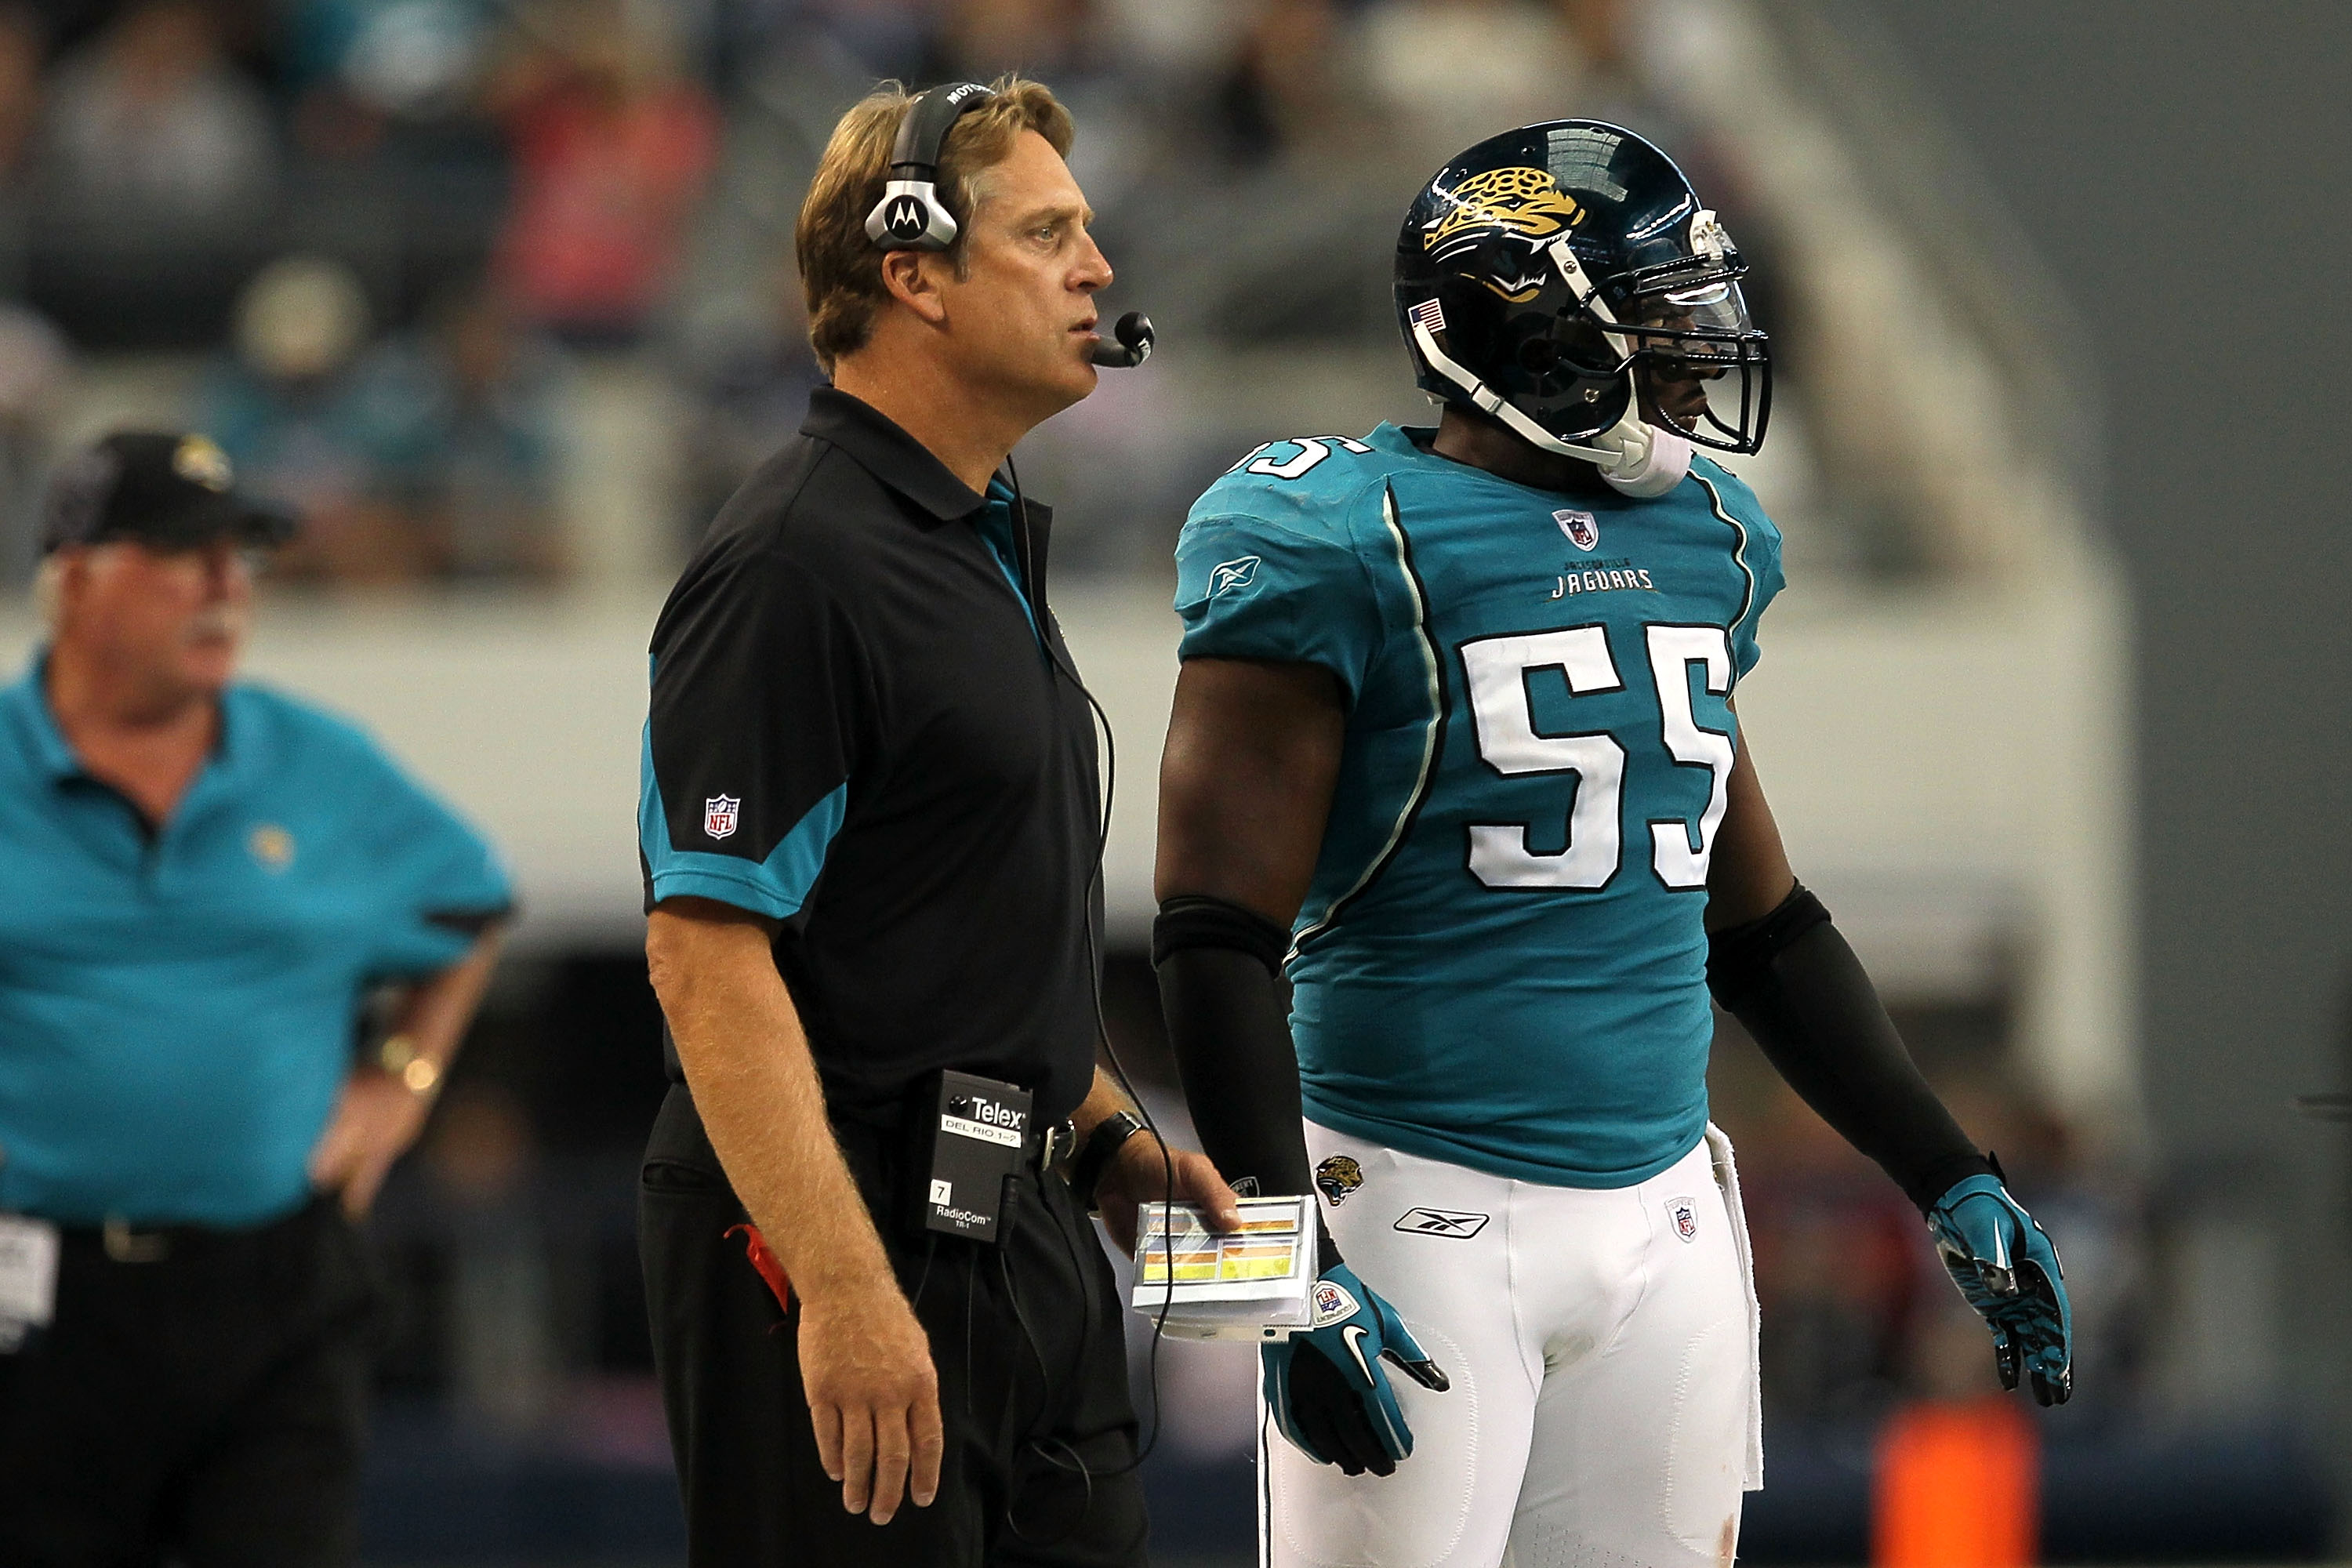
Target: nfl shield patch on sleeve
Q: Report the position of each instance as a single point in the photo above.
(718, 814)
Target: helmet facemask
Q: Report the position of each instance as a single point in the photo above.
(1706, 365)
(1564, 352)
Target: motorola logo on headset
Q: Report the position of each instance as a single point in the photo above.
(904, 218)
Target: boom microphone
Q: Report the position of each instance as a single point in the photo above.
(1134, 345)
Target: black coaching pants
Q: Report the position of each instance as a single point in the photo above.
(1026, 1337)
(199, 1399)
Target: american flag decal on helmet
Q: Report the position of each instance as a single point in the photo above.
(1428, 314)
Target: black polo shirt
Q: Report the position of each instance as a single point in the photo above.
(856, 730)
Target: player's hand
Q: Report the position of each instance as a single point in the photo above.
(873, 1397)
(1331, 1396)
(2004, 1264)
(1138, 1174)
(376, 1118)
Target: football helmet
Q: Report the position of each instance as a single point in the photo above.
(1537, 270)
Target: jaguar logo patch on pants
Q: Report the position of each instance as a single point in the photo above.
(1336, 1177)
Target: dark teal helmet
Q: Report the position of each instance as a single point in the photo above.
(1537, 269)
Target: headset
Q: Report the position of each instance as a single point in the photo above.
(911, 216)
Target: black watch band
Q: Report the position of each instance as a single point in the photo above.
(1110, 1135)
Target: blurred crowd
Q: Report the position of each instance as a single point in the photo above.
(394, 230)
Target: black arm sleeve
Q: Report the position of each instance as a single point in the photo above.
(1221, 992)
(1792, 979)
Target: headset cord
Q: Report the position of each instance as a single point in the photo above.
(1095, 887)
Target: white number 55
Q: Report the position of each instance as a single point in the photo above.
(1497, 669)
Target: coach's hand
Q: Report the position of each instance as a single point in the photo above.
(1331, 1396)
(2004, 1264)
(1139, 1173)
(376, 1118)
(874, 1395)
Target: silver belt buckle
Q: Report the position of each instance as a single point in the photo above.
(125, 1244)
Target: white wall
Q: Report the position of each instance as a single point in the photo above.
(1949, 769)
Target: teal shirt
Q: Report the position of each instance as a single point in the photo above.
(177, 1012)
(1501, 960)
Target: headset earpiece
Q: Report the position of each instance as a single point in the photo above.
(910, 216)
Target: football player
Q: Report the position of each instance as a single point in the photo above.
(1454, 743)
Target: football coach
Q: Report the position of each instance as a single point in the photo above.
(205, 881)
(870, 821)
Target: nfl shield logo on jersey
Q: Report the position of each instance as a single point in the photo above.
(1684, 1213)
(1583, 529)
(718, 814)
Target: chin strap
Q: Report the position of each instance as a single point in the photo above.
(1636, 459)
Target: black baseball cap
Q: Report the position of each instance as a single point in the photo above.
(165, 489)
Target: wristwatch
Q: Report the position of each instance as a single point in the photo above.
(1110, 1134)
(418, 1073)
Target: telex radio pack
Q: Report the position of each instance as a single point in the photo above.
(973, 1131)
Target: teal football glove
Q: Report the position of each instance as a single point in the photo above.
(2004, 1264)
(1329, 1396)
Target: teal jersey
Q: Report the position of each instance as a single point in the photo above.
(1501, 962)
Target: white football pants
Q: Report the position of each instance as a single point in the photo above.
(1604, 1409)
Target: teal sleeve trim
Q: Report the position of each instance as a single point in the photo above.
(776, 887)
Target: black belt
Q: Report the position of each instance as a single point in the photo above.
(124, 1242)
(1043, 1148)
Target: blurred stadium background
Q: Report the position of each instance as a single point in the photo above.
(499, 292)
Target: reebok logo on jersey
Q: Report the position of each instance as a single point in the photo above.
(1237, 574)
(718, 814)
(1583, 529)
(1336, 1177)
(1460, 1223)
(1684, 1213)
(1332, 1302)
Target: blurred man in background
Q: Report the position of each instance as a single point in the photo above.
(206, 881)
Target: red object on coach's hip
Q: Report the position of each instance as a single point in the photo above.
(763, 1260)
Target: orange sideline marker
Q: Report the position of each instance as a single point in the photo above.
(1959, 1485)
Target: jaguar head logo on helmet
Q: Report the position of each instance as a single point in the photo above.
(1564, 281)
(1524, 201)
